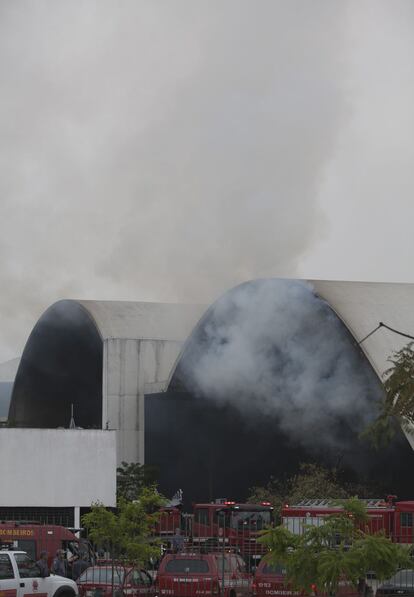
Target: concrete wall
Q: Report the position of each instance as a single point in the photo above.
(362, 305)
(132, 368)
(57, 467)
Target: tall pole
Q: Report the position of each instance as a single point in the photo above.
(223, 552)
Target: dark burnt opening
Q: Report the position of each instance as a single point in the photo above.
(61, 365)
(210, 451)
(210, 448)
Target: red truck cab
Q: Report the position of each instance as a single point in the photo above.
(170, 519)
(236, 524)
(195, 575)
(270, 580)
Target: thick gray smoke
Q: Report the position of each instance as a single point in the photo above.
(170, 150)
(273, 347)
(160, 150)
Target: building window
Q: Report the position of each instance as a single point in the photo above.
(60, 516)
(406, 519)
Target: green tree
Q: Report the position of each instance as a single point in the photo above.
(397, 407)
(312, 481)
(132, 477)
(127, 533)
(337, 550)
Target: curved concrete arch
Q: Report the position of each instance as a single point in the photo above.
(102, 357)
(215, 331)
(362, 305)
(132, 349)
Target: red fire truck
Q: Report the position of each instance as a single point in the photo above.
(34, 538)
(221, 523)
(170, 519)
(395, 519)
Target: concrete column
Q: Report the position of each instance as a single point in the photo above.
(77, 522)
(141, 428)
(105, 415)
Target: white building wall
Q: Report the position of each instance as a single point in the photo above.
(57, 467)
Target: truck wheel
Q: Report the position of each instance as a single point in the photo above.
(64, 593)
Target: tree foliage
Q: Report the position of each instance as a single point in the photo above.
(132, 477)
(126, 533)
(340, 549)
(397, 406)
(312, 481)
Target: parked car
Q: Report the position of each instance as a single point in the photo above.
(400, 585)
(97, 581)
(270, 580)
(195, 575)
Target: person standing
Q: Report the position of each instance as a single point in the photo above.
(79, 566)
(59, 564)
(42, 563)
(177, 541)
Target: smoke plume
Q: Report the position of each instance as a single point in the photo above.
(170, 150)
(160, 150)
(273, 347)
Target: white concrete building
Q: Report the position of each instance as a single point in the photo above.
(57, 469)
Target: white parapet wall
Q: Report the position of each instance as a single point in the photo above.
(57, 467)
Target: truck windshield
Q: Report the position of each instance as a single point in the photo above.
(27, 567)
(100, 574)
(243, 520)
(187, 565)
(250, 521)
(274, 569)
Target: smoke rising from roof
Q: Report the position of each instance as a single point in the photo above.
(273, 347)
(171, 150)
(160, 151)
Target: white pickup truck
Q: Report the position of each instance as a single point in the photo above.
(20, 577)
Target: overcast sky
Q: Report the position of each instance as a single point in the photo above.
(168, 150)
